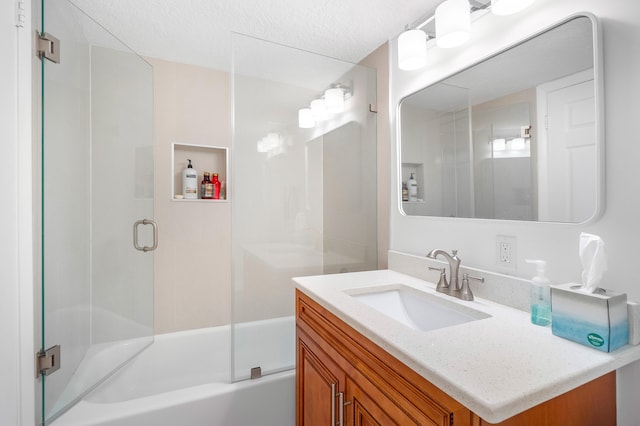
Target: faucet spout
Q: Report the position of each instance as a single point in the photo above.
(454, 267)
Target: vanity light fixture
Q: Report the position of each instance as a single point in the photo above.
(319, 109)
(509, 7)
(305, 118)
(453, 23)
(412, 50)
(452, 27)
(334, 100)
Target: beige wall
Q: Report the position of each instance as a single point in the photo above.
(193, 259)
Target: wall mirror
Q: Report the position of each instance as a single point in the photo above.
(516, 136)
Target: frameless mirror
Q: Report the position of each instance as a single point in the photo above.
(516, 136)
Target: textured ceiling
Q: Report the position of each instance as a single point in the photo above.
(199, 31)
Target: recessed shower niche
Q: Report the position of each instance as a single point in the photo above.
(204, 158)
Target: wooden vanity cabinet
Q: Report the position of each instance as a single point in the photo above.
(341, 373)
(345, 379)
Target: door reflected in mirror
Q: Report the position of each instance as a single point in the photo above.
(514, 137)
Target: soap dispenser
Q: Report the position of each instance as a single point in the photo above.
(190, 182)
(413, 188)
(540, 295)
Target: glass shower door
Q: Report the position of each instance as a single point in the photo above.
(304, 199)
(96, 183)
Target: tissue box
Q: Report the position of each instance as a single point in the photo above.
(595, 320)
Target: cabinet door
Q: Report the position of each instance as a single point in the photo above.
(367, 405)
(319, 382)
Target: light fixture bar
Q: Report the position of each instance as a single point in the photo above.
(476, 5)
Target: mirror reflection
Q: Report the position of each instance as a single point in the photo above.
(513, 137)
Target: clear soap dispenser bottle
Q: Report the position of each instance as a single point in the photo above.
(540, 295)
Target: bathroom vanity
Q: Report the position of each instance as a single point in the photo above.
(358, 366)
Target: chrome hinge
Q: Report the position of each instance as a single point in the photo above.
(48, 361)
(20, 13)
(373, 108)
(48, 47)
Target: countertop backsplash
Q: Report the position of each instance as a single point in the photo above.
(510, 291)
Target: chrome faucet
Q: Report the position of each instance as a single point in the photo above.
(453, 289)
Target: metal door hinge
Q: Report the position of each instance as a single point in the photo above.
(48, 361)
(48, 47)
(373, 108)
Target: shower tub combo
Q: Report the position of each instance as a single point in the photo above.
(183, 378)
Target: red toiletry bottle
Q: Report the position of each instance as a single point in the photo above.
(216, 187)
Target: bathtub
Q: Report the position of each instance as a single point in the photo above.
(183, 379)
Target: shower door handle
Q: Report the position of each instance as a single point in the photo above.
(155, 235)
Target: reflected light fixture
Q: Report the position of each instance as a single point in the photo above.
(499, 144)
(334, 100)
(412, 50)
(453, 23)
(517, 143)
(319, 109)
(305, 118)
(509, 7)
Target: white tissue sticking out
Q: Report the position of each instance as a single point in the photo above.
(594, 261)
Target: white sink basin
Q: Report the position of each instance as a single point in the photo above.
(418, 310)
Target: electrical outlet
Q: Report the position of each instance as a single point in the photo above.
(506, 252)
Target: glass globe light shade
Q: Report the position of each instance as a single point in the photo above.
(453, 23)
(412, 50)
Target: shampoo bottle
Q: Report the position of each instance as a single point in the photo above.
(413, 188)
(190, 182)
(540, 295)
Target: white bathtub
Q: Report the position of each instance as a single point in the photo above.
(184, 379)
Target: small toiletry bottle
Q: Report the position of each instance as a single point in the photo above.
(413, 188)
(206, 187)
(216, 187)
(190, 182)
(223, 190)
(540, 295)
(405, 192)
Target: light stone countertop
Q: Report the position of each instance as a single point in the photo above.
(497, 367)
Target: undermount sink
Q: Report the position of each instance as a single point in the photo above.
(418, 310)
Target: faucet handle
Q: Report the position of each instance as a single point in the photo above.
(465, 291)
(443, 285)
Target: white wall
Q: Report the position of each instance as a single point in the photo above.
(557, 243)
(16, 295)
(8, 220)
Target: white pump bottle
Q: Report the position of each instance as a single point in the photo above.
(190, 182)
